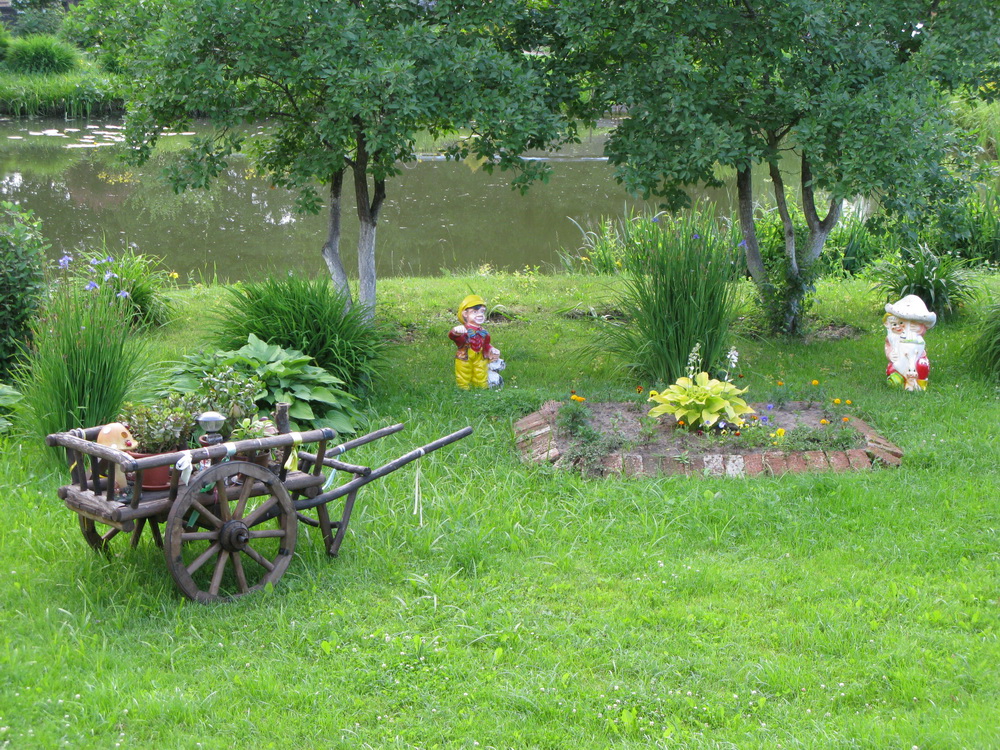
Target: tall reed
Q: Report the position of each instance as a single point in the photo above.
(681, 294)
(84, 363)
(984, 351)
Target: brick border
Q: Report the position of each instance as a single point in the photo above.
(535, 436)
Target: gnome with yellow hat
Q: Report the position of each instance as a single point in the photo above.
(474, 349)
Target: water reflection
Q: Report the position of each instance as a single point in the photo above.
(438, 214)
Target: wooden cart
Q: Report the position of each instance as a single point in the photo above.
(231, 529)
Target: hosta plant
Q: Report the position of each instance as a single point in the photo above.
(700, 402)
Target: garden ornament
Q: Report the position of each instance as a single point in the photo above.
(906, 322)
(475, 352)
(117, 436)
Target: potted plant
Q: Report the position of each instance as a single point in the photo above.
(252, 428)
(162, 426)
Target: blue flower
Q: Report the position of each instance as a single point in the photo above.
(122, 293)
(65, 261)
(765, 420)
(95, 261)
(110, 275)
(743, 243)
(770, 406)
(696, 236)
(109, 259)
(91, 285)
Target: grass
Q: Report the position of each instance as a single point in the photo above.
(88, 92)
(481, 602)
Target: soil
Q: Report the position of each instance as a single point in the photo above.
(640, 435)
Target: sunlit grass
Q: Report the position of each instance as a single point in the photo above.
(480, 600)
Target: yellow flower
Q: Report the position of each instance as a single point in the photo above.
(815, 382)
(780, 432)
(578, 399)
(836, 401)
(848, 402)
(680, 422)
(824, 421)
(584, 258)
(846, 419)
(654, 393)
(174, 275)
(781, 382)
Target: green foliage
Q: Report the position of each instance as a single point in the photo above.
(984, 350)
(4, 41)
(8, 399)
(859, 104)
(589, 445)
(162, 426)
(943, 282)
(113, 30)
(309, 316)
(138, 280)
(978, 235)
(41, 54)
(681, 293)
(700, 402)
(83, 365)
(46, 20)
(22, 258)
(315, 397)
(339, 79)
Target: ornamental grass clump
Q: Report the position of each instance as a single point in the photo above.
(41, 54)
(943, 282)
(682, 292)
(309, 316)
(984, 351)
(83, 364)
(700, 402)
(138, 280)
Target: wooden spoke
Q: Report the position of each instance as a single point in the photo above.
(268, 534)
(206, 513)
(203, 558)
(241, 504)
(264, 563)
(255, 522)
(241, 576)
(258, 515)
(220, 568)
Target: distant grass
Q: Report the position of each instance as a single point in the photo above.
(87, 92)
(480, 600)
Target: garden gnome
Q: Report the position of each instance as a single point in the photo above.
(475, 351)
(117, 436)
(906, 322)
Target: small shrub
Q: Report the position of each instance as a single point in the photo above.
(41, 54)
(680, 294)
(22, 259)
(315, 397)
(83, 365)
(4, 41)
(138, 280)
(309, 316)
(700, 402)
(46, 20)
(984, 351)
(943, 282)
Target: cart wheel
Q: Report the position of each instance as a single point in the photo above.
(99, 535)
(221, 549)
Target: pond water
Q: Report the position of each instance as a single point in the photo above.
(439, 216)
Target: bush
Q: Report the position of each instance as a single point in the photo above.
(84, 93)
(309, 316)
(984, 351)
(942, 282)
(4, 41)
(84, 363)
(34, 21)
(41, 53)
(138, 280)
(22, 262)
(682, 295)
(313, 394)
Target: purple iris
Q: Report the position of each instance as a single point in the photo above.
(65, 261)
(91, 285)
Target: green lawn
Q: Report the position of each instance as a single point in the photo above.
(481, 602)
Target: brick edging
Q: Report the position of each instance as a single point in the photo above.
(535, 436)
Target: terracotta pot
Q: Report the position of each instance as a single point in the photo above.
(157, 478)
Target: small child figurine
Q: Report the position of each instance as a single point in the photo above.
(475, 351)
(906, 322)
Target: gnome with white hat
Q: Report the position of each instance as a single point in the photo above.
(906, 322)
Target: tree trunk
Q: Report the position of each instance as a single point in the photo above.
(744, 186)
(819, 229)
(331, 249)
(368, 211)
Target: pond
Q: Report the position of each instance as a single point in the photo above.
(439, 216)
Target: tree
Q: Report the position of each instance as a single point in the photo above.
(343, 85)
(853, 87)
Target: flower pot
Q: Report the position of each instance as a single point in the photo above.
(156, 478)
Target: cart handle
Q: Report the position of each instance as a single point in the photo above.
(388, 468)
